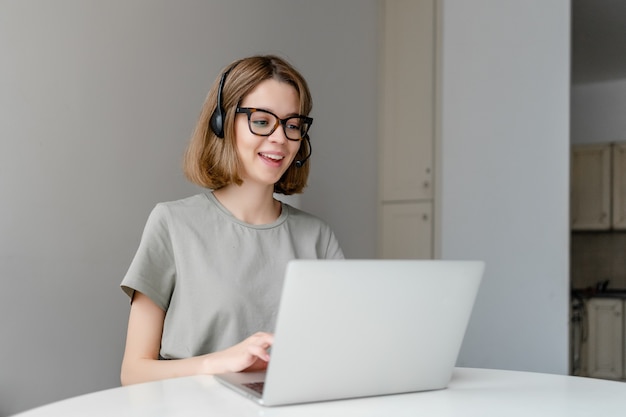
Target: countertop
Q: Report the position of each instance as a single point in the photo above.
(593, 293)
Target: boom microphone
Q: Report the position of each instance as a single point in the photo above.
(301, 162)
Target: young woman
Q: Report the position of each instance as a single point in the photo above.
(206, 280)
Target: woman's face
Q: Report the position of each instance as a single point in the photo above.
(266, 158)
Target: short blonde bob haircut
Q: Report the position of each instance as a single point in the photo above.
(212, 162)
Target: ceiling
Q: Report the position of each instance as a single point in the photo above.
(598, 40)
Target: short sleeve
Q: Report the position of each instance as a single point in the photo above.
(333, 250)
(153, 269)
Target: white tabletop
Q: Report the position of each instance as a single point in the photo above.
(472, 392)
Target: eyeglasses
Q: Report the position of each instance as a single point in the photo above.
(264, 123)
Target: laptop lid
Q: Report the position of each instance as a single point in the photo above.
(355, 328)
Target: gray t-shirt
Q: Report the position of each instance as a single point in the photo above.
(217, 278)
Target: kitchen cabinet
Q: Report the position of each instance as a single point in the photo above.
(591, 187)
(605, 344)
(598, 187)
(618, 151)
(407, 129)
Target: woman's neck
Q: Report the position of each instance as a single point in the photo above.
(253, 205)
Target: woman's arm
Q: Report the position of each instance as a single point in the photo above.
(143, 341)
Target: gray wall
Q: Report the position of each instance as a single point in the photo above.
(598, 100)
(598, 112)
(97, 101)
(505, 170)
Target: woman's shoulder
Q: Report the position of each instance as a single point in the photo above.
(310, 226)
(304, 218)
(192, 201)
(184, 207)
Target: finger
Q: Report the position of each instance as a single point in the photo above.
(260, 351)
(265, 338)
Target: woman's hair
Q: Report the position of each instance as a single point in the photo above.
(213, 162)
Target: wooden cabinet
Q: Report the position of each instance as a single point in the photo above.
(407, 129)
(618, 170)
(605, 347)
(598, 186)
(407, 230)
(591, 187)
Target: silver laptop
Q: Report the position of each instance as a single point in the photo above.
(357, 328)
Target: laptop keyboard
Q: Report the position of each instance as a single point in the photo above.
(256, 386)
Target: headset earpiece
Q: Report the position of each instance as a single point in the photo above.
(217, 118)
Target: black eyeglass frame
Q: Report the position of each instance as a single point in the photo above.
(305, 119)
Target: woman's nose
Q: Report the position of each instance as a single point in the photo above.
(278, 135)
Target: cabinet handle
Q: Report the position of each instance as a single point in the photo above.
(426, 184)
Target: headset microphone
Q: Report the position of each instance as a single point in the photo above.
(300, 162)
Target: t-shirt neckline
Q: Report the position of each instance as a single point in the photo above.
(284, 213)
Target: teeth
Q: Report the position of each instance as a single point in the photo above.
(271, 156)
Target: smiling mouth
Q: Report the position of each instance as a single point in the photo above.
(272, 156)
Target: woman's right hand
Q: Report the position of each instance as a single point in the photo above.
(249, 355)
(141, 357)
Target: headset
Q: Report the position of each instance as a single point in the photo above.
(219, 114)
(217, 118)
(301, 162)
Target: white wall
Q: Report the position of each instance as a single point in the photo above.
(97, 101)
(597, 112)
(504, 174)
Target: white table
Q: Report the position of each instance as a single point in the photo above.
(472, 392)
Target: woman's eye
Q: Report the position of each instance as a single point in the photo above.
(260, 123)
(293, 125)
